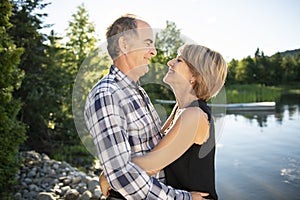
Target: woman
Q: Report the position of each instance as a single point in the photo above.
(187, 151)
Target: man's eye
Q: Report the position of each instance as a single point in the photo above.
(179, 60)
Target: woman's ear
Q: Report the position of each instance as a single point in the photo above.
(192, 80)
(122, 44)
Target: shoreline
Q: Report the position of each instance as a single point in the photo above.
(42, 178)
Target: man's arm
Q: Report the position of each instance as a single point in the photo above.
(106, 122)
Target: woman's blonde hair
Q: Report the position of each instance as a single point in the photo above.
(208, 67)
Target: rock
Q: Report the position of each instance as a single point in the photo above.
(87, 195)
(33, 187)
(42, 178)
(45, 196)
(82, 184)
(57, 191)
(72, 195)
(97, 192)
(67, 181)
(65, 189)
(55, 166)
(45, 157)
(30, 195)
(28, 180)
(18, 196)
(32, 173)
(76, 180)
(93, 184)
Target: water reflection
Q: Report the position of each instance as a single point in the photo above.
(258, 155)
(260, 116)
(291, 174)
(287, 104)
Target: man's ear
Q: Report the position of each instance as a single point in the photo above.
(122, 44)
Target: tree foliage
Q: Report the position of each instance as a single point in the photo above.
(80, 49)
(50, 70)
(260, 69)
(167, 41)
(12, 131)
(37, 92)
(81, 36)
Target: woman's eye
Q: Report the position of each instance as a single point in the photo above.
(179, 60)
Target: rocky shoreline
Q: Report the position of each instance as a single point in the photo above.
(42, 178)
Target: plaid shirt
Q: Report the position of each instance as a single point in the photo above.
(122, 127)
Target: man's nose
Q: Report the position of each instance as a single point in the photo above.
(153, 51)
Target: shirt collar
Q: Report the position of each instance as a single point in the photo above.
(120, 76)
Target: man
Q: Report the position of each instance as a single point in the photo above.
(121, 118)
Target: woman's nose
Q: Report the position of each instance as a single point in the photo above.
(170, 63)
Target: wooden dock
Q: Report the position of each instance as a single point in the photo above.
(255, 106)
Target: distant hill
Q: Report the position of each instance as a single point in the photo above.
(290, 52)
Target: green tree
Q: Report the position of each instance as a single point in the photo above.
(12, 131)
(93, 68)
(280, 68)
(258, 67)
(289, 68)
(81, 36)
(81, 43)
(57, 81)
(232, 65)
(80, 52)
(275, 73)
(297, 58)
(245, 72)
(27, 22)
(167, 41)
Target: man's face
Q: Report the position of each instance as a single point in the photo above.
(141, 49)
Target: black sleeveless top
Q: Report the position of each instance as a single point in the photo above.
(195, 169)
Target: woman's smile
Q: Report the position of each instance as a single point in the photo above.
(171, 71)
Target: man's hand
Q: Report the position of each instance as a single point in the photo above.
(105, 187)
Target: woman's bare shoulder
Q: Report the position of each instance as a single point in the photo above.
(193, 113)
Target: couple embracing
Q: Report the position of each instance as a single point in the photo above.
(141, 158)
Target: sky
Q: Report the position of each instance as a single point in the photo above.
(234, 28)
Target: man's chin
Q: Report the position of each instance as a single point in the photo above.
(140, 71)
(144, 70)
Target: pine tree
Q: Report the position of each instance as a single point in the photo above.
(80, 52)
(27, 21)
(81, 36)
(167, 41)
(12, 131)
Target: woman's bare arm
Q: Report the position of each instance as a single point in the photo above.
(190, 127)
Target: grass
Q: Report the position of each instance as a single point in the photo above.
(258, 93)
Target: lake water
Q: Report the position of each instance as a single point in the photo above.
(258, 153)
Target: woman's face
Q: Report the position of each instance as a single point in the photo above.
(179, 72)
